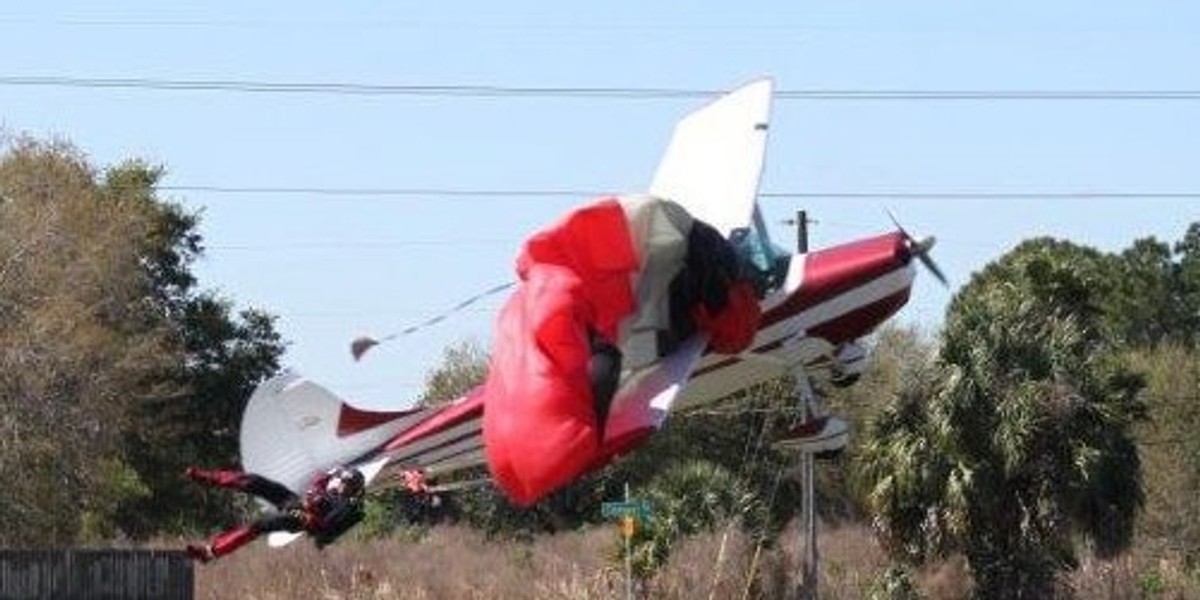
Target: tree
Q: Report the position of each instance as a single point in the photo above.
(1021, 438)
(464, 367)
(76, 341)
(1143, 302)
(1171, 450)
(1155, 296)
(218, 361)
(1188, 286)
(110, 360)
(896, 353)
(686, 498)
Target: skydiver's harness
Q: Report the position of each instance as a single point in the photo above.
(322, 515)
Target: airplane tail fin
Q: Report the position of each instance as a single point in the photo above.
(293, 427)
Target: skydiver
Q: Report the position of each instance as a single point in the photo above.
(332, 505)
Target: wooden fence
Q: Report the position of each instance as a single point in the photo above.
(95, 575)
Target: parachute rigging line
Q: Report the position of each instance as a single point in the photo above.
(362, 344)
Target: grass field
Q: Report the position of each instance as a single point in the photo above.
(459, 563)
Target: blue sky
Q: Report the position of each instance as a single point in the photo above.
(334, 266)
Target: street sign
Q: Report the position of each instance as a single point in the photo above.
(638, 509)
(628, 526)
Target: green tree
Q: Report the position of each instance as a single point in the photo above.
(686, 498)
(464, 367)
(116, 369)
(219, 360)
(1171, 450)
(77, 341)
(1188, 286)
(895, 353)
(1155, 296)
(1021, 439)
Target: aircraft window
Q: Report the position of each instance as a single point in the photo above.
(767, 262)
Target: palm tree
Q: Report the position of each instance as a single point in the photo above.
(1020, 441)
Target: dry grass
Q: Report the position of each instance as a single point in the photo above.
(460, 563)
(450, 562)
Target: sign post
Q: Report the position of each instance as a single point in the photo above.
(629, 512)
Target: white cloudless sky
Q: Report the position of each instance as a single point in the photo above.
(335, 265)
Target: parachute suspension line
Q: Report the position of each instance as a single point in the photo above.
(362, 344)
(809, 397)
(777, 479)
(752, 455)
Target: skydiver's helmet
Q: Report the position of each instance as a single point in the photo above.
(347, 482)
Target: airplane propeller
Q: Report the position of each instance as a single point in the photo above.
(920, 249)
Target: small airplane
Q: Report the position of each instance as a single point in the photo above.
(816, 307)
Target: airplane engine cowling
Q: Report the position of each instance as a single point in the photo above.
(856, 286)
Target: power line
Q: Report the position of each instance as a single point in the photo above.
(635, 93)
(379, 191)
(418, 192)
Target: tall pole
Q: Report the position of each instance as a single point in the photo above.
(628, 554)
(808, 567)
(802, 231)
(808, 560)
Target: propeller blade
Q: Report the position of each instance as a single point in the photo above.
(934, 269)
(920, 249)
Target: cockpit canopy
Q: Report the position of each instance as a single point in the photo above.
(766, 262)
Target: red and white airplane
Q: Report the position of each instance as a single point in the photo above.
(816, 308)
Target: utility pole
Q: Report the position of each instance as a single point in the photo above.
(802, 231)
(627, 533)
(807, 589)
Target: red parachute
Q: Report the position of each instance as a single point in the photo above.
(581, 283)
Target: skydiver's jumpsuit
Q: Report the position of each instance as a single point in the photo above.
(322, 514)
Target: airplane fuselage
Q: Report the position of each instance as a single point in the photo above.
(830, 297)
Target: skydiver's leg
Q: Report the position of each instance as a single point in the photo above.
(289, 519)
(604, 371)
(224, 543)
(226, 478)
(271, 491)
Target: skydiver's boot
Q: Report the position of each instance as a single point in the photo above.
(217, 477)
(200, 552)
(223, 544)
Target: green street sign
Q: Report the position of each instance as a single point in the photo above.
(638, 509)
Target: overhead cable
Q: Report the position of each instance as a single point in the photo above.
(784, 194)
(498, 91)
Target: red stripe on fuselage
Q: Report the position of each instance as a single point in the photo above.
(860, 321)
(470, 407)
(829, 273)
(845, 328)
(833, 271)
(352, 420)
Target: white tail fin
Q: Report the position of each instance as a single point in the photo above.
(290, 431)
(714, 160)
